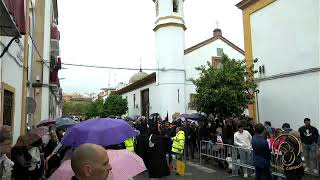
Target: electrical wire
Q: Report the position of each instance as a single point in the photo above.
(119, 68)
(36, 48)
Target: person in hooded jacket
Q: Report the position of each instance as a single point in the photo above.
(21, 159)
(157, 163)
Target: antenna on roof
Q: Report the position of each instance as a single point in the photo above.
(109, 80)
(140, 65)
(217, 24)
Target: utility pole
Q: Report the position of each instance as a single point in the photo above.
(23, 128)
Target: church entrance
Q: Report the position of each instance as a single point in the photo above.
(145, 103)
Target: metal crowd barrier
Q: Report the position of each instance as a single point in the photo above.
(240, 158)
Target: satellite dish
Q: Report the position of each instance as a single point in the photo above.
(31, 105)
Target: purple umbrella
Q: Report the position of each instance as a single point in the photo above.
(47, 122)
(104, 132)
(36, 134)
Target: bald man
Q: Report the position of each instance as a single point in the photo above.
(90, 162)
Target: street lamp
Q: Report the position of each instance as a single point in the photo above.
(252, 92)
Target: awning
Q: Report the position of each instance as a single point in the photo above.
(8, 27)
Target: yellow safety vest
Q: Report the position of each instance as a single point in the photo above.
(178, 143)
(129, 144)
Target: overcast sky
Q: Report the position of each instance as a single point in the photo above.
(118, 33)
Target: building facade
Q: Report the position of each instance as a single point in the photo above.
(284, 35)
(46, 63)
(169, 89)
(25, 66)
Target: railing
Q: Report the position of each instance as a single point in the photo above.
(237, 157)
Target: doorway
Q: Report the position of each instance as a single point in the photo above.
(145, 103)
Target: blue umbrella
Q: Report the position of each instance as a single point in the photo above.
(65, 122)
(185, 116)
(104, 132)
(196, 117)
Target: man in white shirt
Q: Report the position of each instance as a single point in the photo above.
(242, 139)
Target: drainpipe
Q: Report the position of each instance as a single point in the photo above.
(23, 128)
(30, 55)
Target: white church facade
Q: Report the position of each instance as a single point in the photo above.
(169, 89)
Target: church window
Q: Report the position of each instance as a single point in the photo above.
(157, 8)
(219, 52)
(134, 101)
(8, 104)
(192, 101)
(217, 62)
(175, 6)
(178, 96)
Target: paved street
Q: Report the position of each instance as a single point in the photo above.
(195, 171)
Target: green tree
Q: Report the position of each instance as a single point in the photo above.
(75, 108)
(115, 105)
(68, 108)
(223, 91)
(95, 108)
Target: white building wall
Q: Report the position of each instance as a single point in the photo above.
(12, 74)
(204, 54)
(154, 98)
(166, 6)
(200, 57)
(170, 42)
(285, 38)
(290, 100)
(46, 56)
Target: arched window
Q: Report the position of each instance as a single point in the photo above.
(175, 6)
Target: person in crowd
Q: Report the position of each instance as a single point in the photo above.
(167, 133)
(60, 132)
(309, 137)
(141, 146)
(193, 139)
(292, 161)
(286, 129)
(274, 145)
(203, 133)
(21, 159)
(269, 129)
(250, 126)
(36, 163)
(53, 142)
(242, 139)
(90, 162)
(228, 131)
(129, 143)
(261, 154)
(51, 163)
(157, 162)
(6, 136)
(6, 165)
(178, 143)
(187, 132)
(218, 147)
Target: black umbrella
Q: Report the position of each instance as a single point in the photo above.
(196, 117)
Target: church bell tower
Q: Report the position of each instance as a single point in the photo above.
(169, 47)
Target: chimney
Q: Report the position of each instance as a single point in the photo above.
(217, 32)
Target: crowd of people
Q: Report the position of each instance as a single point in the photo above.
(30, 158)
(303, 144)
(160, 140)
